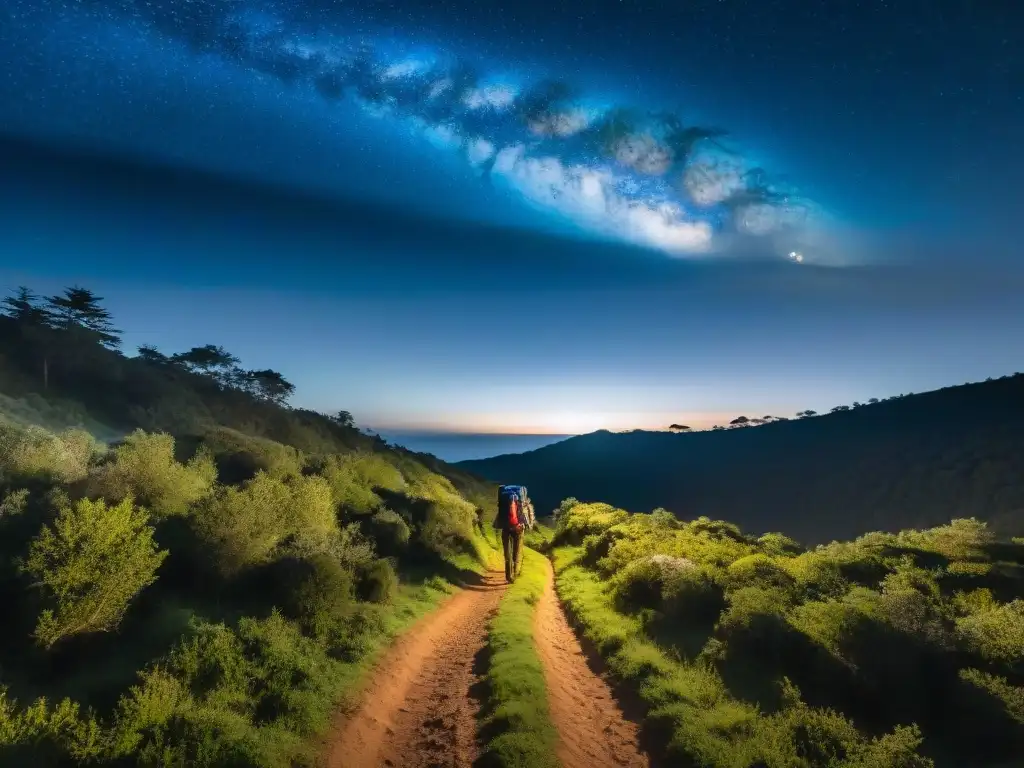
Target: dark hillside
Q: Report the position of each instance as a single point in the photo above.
(908, 462)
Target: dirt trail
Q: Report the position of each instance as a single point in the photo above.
(419, 710)
(592, 730)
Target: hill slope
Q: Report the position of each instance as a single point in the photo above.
(209, 588)
(909, 462)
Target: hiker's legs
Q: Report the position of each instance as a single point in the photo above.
(517, 551)
(507, 539)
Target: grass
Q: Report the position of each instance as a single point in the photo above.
(516, 722)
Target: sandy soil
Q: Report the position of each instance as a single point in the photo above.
(591, 727)
(419, 710)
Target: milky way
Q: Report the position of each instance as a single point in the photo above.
(649, 178)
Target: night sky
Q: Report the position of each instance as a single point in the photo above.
(531, 216)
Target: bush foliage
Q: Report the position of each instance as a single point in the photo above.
(204, 590)
(889, 650)
(91, 562)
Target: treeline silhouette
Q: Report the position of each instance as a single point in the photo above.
(912, 461)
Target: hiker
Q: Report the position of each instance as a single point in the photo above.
(515, 516)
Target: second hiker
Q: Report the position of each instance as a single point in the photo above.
(515, 516)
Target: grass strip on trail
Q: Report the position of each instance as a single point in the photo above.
(516, 723)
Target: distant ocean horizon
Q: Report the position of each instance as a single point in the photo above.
(462, 446)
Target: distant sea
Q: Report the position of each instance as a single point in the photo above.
(452, 447)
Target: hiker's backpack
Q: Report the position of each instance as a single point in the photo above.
(510, 505)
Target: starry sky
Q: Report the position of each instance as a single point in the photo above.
(531, 217)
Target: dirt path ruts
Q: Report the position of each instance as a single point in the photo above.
(593, 732)
(418, 711)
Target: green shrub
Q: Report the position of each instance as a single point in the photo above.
(911, 603)
(241, 457)
(352, 479)
(1010, 696)
(749, 602)
(808, 737)
(579, 520)
(143, 467)
(34, 453)
(145, 714)
(829, 623)
(91, 562)
(995, 634)
(693, 596)
(292, 679)
(758, 570)
(705, 542)
(779, 545)
(372, 470)
(352, 549)
(646, 583)
(378, 583)
(211, 665)
(975, 601)
(248, 526)
(41, 735)
(319, 595)
(244, 526)
(448, 531)
(230, 698)
(815, 576)
(14, 503)
(310, 517)
(390, 532)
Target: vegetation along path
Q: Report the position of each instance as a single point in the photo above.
(592, 730)
(419, 709)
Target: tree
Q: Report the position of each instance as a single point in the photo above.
(679, 428)
(79, 310)
(23, 307)
(740, 421)
(92, 561)
(840, 408)
(343, 419)
(872, 401)
(807, 414)
(150, 354)
(210, 360)
(270, 386)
